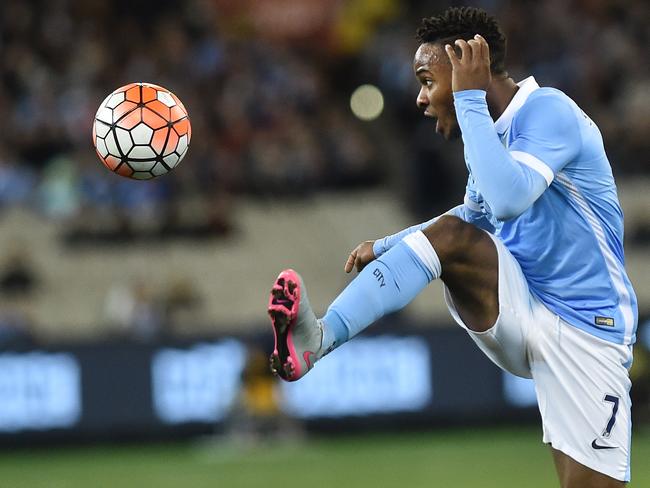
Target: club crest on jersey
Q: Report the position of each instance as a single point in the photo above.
(608, 321)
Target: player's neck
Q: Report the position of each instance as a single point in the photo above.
(500, 94)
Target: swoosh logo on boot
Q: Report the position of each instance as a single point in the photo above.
(307, 357)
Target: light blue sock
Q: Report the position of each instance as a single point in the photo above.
(384, 286)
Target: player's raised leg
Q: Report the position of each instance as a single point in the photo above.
(463, 255)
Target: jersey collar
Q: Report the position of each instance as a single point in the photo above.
(526, 87)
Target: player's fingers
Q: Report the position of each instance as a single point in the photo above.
(360, 264)
(475, 48)
(465, 50)
(451, 54)
(485, 48)
(349, 264)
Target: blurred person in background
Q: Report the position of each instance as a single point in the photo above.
(19, 276)
(20, 280)
(532, 261)
(134, 311)
(256, 416)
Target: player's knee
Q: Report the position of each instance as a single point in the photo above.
(452, 238)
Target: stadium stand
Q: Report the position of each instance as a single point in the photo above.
(268, 103)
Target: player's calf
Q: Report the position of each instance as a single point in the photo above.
(572, 474)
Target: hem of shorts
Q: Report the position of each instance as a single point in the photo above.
(576, 456)
(451, 306)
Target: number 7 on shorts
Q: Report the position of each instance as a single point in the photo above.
(612, 420)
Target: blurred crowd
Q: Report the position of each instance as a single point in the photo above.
(267, 86)
(265, 119)
(267, 95)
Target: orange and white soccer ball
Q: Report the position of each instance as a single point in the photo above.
(141, 131)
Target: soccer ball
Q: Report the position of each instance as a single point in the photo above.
(141, 131)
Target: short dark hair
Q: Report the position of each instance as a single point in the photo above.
(463, 23)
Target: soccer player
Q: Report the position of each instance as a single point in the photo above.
(532, 261)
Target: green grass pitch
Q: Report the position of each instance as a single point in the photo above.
(485, 458)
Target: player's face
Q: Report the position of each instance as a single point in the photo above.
(433, 71)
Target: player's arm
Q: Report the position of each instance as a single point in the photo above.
(367, 251)
(469, 211)
(510, 179)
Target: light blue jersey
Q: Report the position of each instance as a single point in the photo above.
(549, 193)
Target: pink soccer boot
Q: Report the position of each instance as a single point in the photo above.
(298, 333)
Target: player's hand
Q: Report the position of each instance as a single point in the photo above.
(360, 256)
(472, 70)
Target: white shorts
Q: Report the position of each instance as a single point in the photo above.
(582, 381)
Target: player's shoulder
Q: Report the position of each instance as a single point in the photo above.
(549, 100)
(549, 93)
(547, 106)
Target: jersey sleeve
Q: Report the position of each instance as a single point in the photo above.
(547, 135)
(470, 212)
(508, 186)
(380, 246)
(473, 208)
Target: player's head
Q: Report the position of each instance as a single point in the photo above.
(433, 68)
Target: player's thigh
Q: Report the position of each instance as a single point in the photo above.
(572, 474)
(505, 340)
(582, 385)
(469, 269)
